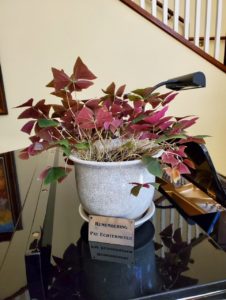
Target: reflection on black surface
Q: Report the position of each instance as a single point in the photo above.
(219, 231)
(162, 259)
(78, 276)
(94, 279)
(176, 259)
(111, 252)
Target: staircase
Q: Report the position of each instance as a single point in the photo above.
(198, 24)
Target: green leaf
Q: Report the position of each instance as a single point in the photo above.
(67, 151)
(65, 146)
(170, 137)
(47, 123)
(153, 166)
(143, 92)
(135, 190)
(64, 143)
(138, 119)
(82, 146)
(201, 136)
(134, 97)
(54, 173)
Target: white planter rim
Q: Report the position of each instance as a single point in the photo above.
(105, 164)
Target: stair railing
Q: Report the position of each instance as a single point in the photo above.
(201, 22)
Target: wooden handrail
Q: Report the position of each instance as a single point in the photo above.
(174, 34)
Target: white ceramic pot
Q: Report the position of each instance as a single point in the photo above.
(104, 187)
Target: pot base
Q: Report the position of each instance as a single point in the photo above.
(138, 222)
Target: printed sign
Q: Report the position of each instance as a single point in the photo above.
(111, 230)
(113, 253)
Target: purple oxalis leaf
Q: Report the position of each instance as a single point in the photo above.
(49, 134)
(93, 103)
(35, 148)
(28, 126)
(180, 151)
(138, 106)
(61, 79)
(30, 112)
(25, 104)
(110, 90)
(120, 90)
(192, 139)
(81, 71)
(169, 98)
(34, 138)
(116, 108)
(85, 118)
(187, 123)
(169, 158)
(102, 116)
(44, 108)
(140, 127)
(183, 169)
(24, 154)
(116, 123)
(156, 116)
(148, 135)
(146, 185)
(62, 94)
(81, 84)
(165, 125)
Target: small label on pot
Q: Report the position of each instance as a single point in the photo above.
(111, 230)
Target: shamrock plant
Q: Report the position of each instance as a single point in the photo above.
(116, 126)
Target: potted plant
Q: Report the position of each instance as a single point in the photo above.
(119, 142)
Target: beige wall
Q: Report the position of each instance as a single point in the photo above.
(116, 43)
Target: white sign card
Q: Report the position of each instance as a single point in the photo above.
(111, 230)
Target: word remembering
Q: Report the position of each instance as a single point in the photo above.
(111, 230)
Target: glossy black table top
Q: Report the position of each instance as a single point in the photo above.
(173, 257)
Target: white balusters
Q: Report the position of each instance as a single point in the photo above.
(187, 19)
(172, 216)
(207, 26)
(163, 219)
(202, 16)
(165, 12)
(218, 29)
(197, 21)
(142, 3)
(176, 15)
(197, 231)
(181, 223)
(189, 233)
(154, 8)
